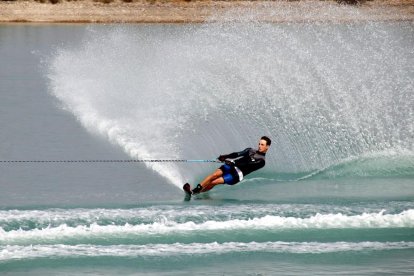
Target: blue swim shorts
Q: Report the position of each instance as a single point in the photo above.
(230, 174)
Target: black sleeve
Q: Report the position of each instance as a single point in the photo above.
(236, 154)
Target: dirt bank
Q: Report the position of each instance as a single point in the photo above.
(175, 11)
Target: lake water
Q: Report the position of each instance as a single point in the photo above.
(336, 195)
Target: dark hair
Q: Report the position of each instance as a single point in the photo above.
(267, 139)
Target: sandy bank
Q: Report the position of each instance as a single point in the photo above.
(118, 11)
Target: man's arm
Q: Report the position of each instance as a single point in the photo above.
(233, 155)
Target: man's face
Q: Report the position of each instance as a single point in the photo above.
(263, 147)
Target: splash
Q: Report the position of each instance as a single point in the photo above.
(323, 93)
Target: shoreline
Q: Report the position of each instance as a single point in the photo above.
(180, 11)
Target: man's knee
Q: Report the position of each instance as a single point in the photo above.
(217, 173)
(217, 181)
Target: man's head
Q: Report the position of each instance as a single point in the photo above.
(264, 144)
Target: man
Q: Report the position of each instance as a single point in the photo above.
(237, 165)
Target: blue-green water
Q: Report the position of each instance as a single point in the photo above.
(336, 195)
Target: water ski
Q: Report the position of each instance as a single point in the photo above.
(187, 190)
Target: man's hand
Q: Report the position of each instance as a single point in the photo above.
(229, 162)
(221, 158)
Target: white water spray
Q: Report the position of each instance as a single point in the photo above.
(323, 93)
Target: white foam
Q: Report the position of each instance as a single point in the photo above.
(79, 214)
(166, 227)
(15, 252)
(177, 212)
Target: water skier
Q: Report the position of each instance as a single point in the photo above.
(237, 165)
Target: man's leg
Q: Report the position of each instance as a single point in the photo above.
(218, 173)
(209, 186)
(210, 181)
